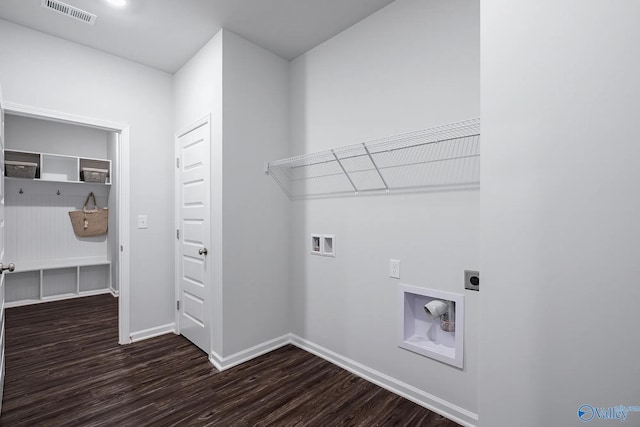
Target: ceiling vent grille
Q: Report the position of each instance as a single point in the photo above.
(70, 11)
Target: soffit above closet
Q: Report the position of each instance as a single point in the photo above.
(165, 34)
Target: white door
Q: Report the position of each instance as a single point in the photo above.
(193, 213)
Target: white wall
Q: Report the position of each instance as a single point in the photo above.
(559, 211)
(43, 136)
(255, 213)
(50, 73)
(198, 85)
(250, 229)
(38, 226)
(198, 93)
(413, 65)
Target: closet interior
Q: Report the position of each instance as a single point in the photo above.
(51, 261)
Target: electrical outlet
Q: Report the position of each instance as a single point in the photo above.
(472, 280)
(394, 268)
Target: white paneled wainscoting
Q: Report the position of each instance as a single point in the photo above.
(51, 261)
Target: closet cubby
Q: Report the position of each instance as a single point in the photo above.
(36, 282)
(22, 287)
(93, 278)
(96, 164)
(59, 282)
(58, 167)
(20, 156)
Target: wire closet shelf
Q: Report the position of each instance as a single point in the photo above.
(441, 157)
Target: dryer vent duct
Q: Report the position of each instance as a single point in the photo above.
(70, 11)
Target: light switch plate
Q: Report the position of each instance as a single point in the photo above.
(394, 268)
(142, 221)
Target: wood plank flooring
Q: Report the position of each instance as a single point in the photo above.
(65, 368)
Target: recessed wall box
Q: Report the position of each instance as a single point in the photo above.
(439, 335)
(328, 245)
(316, 242)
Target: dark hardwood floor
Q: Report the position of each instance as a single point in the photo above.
(64, 367)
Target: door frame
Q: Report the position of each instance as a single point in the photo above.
(124, 300)
(176, 204)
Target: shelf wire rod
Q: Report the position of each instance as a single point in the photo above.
(389, 150)
(345, 171)
(447, 159)
(375, 166)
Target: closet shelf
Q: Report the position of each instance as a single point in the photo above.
(11, 178)
(23, 266)
(59, 167)
(441, 157)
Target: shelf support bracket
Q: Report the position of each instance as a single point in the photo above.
(344, 170)
(386, 187)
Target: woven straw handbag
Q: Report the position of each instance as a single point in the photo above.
(90, 222)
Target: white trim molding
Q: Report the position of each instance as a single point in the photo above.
(83, 294)
(152, 332)
(440, 406)
(433, 403)
(223, 363)
(124, 238)
(59, 116)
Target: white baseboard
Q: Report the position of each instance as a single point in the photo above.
(440, 406)
(52, 298)
(422, 398)
(222, 363)
(152, 332)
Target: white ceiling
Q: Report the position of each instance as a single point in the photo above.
(164, 34)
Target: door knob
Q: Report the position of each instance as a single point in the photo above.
(202, 251)
(9, 267)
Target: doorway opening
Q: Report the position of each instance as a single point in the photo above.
(64, 266)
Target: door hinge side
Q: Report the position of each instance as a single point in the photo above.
(178, 234)
(178, 305)
(178, 162)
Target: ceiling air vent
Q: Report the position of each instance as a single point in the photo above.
(70, 11)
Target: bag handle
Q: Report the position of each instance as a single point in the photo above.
(91, 196)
